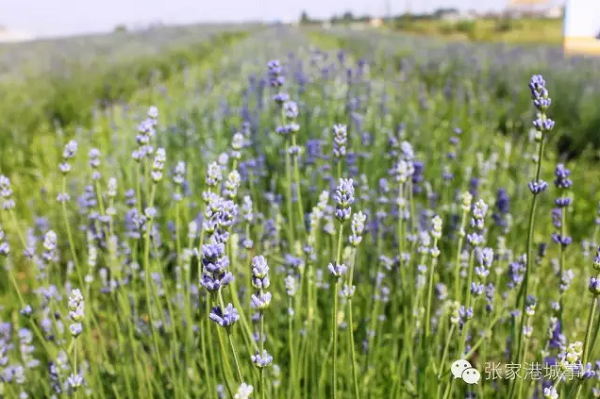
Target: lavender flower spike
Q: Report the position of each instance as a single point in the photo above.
(344, 198)
(262, 361)
(6, 193)
(357, 227)
(337, 271)
(225, 318)
(340, 139)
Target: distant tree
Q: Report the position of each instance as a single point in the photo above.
(440, 12)
(120, 28)
(304, 18)
(348, 16)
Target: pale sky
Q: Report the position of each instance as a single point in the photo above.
(64, 17)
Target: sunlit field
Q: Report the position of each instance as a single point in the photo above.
(270, 212)
(508, 30)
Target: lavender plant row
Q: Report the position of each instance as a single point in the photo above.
(492, 70)
(296, 223)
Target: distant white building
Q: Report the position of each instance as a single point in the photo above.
(554, 12)
(7, 36)
(582, 27)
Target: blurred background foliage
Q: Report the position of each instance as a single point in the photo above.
(51, 84)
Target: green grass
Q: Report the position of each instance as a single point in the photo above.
(69, 98)
(512, 31)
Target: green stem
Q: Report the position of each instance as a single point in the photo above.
(461, 240)
(530, 255)
(469, 279)
(148, 280)
(334, 315)
(231, 344)
(445, 352)
(352, 350)
(69, 234)
(561, 249)
(430, 292)
(351, 329)
(292, 382)
(298, 189)
(263, 388)
(589, 341)
(334, 353)
(205, 331)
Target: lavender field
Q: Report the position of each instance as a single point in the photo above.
(311, 214)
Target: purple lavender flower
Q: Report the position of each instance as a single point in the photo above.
(465, 314)
(484, 258)
(502, 206)
(490, 292)
(26, 311)
(158, 165)
(557, 217)
(218, 218)
(75, 381)
(561, 240)
(479, 211)
(562, 202)
(550, 393)
(594, 285)
(539, 93)
(587, 372)
(344, 198)
(537, 187)
(543, 124)
(237, 143)
(76, 312)
(260, 301)
(340, 139)
(260, 273)
(477, 289)
(94, 160)
(214, 175)
(50, 245)
(226, 318)
(337, 271)
(565, 280)
(530, 305)
(4, 245)
(516, 270)
(261, 360)
(357, 227)
(290, 109)
(68, 153)
(274, 71)
(562, 180)
(179, 175)
(348, 291)
(231, 185)
(6, 193)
